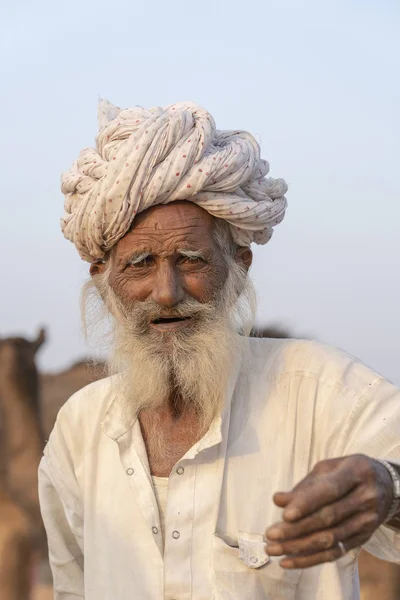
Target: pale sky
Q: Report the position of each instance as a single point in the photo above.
(317, 82)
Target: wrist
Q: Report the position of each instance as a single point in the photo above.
(393, 516)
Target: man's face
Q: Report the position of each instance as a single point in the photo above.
(169, 257)
(173, 293)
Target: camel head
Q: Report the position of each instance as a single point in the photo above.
(18, 365)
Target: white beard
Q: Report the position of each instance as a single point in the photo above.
(164, 367)
(190, 366)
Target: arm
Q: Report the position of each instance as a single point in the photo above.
(344, 499)
(65, 553)
(61, 513)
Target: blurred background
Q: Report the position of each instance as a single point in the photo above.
(316, 82)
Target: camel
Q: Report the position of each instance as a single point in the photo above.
(22, 535)
(16, 550)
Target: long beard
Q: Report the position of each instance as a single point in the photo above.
(188, 368)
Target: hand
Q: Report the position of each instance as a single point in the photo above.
(341, 500)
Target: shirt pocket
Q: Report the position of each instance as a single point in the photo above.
(242, 570)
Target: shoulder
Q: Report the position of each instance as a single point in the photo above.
(79, 420)
(90, 402)
(294, 358)
(339, 404)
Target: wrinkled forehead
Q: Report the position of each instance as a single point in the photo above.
(171, 226)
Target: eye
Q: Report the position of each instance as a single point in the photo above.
(194, 261)
(141, 263)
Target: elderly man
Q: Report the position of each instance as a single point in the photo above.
(209, 465)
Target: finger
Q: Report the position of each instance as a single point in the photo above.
(317, 490)
(361, 524)
(324, 518)
(281, 499)
(303, 562)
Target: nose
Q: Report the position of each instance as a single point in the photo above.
(167, 289)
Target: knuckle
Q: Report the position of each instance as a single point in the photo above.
(366, 466)
(371, 520)
(334, 488)
(383, 495)
(297, 530)
(354, 504)
(327, 540)
(370, 496)
(376, 502)
(363, 467)
(323, 466)
(328, 516)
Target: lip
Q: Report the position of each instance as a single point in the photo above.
(172, 325)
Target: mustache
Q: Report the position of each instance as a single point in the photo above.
(142, 313)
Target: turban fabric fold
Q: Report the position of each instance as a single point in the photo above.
(156, 156)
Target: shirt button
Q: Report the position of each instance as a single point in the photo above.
(253, 559)
(180, 470)
(154, 530)
(176, 535)
(130, 471)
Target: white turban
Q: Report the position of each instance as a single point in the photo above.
(148, 157)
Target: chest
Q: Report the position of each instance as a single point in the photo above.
(218, 507)
(167, 442)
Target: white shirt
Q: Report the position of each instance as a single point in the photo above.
(160, 485)
(296, 403)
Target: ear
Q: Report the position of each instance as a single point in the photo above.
(40, 340)
(97, 268)
(244, 257)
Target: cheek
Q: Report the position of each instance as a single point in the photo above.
(203, 286)
(129, 289)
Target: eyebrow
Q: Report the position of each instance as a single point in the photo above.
(186, 252)
(137, 257)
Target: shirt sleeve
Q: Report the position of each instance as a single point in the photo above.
(364, 418)
(375, 430)
(62, 516)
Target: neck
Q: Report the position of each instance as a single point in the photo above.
(176, 407)
(168, 433)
